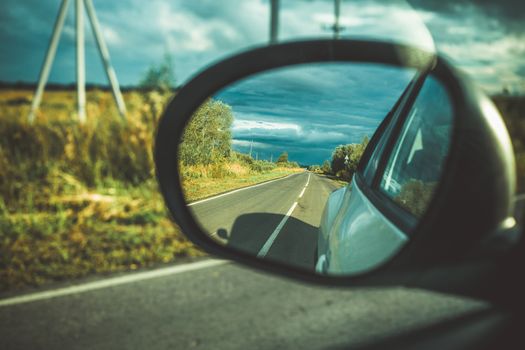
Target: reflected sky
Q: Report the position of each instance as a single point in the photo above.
(308, 110)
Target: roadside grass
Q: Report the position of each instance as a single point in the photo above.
(195, 189)
(87, 233)
(340, 182)
(82, 199)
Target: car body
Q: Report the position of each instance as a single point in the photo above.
(356, 235)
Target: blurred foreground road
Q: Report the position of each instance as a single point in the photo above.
(220, 307)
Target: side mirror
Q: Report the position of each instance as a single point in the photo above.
(336, 161)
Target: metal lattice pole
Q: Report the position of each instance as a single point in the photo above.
(81, 65)
(80, 59)
(104, 53)
(50, 56)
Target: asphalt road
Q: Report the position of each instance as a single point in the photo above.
(277, 220)
(221, 307)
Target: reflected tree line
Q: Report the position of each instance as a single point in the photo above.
(344, 161)
(206, 146)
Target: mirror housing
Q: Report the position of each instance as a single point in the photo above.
(473, 202)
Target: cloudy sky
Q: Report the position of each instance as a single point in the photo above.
(308, 110)
(486, 39)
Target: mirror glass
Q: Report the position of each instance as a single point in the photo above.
(268, 164)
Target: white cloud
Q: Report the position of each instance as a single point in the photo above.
(243, 125)
(245, 143)
(320, 134)
(111, 36)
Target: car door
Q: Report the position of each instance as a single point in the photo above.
(394, 183)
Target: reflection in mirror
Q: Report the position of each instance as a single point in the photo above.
(267, 163)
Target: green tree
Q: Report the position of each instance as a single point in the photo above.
(283, 158)
(159, 77)
(346, 158)
(207, 137)
(326, 168)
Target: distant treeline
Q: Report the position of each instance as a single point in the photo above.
(22, 85)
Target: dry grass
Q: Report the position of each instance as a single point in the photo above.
(211, 181)
(79, 199)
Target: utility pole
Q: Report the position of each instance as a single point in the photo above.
(80, 59)
(50, 56)
(81, 66)
(337, 15)
(336, 27)
(251, 146)
(104, 54)
(274, 21)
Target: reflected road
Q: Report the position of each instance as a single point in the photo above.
(277, 220)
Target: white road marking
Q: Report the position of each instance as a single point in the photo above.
(268, 244)
(110, 282)
(266, 247)
(302, 192)
(304, 188)
(238, 190)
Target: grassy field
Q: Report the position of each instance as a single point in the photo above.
(203, 187)
(81, 199)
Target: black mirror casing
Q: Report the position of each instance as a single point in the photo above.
(460, 216)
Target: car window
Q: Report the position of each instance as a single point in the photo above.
(384, 131)
(415, 164)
